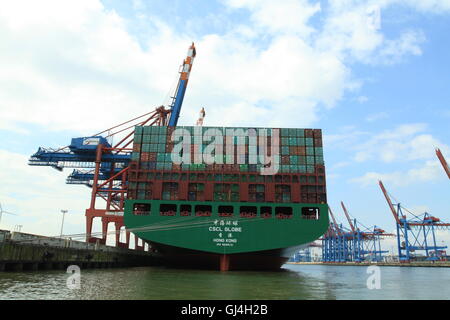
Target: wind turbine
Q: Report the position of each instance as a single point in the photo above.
(3, 211)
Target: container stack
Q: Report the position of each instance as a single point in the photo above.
(238, 160)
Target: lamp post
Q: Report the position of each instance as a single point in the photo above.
(3, 211)
(62, 224)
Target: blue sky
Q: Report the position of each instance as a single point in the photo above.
(380, 93)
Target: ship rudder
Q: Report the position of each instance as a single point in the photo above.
(224, 262)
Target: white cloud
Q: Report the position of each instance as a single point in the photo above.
(408, 44)
(36, 195)
(138, 5)
(404, 143)
(377, 116)
(362, 99)
(346, 139)
(341, 164)
(427, 6)
(290, 16)
(430, 171)
(86, 72)
(353, 30)
(407, 145)
(76, 66)
(434, 6)
(70, 65)
(347, 31)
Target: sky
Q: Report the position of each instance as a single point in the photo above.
(372, 74)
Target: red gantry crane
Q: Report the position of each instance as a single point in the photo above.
(104, 166)
(443, 162)
(415, 232)
(334, 242)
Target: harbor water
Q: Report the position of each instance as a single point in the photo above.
(293, 282)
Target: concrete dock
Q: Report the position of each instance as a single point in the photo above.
(445, 264)
(22, 252)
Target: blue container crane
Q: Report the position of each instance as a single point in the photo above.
(104, 166)
(415, 232)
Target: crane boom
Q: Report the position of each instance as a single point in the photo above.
(443, 162)
(104, 167)
(177, 101)
(388, 199)
(334, 221)
(348, 217)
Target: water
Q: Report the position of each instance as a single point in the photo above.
(293, 282)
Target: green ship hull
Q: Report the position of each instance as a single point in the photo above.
(239, 235)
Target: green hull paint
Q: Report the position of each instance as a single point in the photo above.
(226, 235)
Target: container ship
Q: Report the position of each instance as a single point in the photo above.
(203, 197)
(226, 198)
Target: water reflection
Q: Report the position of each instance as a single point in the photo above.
(292, 282)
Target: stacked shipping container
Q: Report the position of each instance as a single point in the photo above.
(234, 176)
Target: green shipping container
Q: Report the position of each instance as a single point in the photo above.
(138, 130)
(318, 151)
(319, 160)
(160, 157)
(137, 139)
(154, 138)
(146, 147)
(135, 156)
(161, 147)
(292, 141)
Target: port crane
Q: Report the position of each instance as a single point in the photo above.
(443, 162)
(415, 232)
(366, 242)
(341, 244)
(334, 242)
(103, 166)
(356, 237)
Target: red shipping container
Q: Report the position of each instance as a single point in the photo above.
(136, 147)
(317, 142)
(317, 133)
(301, 151)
